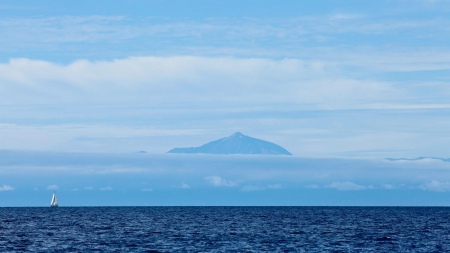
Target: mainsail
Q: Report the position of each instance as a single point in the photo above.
(54, 202)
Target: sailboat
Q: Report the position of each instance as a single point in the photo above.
(54, 202)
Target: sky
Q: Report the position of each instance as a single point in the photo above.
(354, 81)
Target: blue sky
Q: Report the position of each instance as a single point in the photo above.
(324, 79)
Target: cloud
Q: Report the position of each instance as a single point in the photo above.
(192, 79)
(106, 188)
(88, 188)
(185, 186)
(387, 186)
(231, 31)
(6, 188)
(436, 186)
(147, 190)
(52, 187)
(71, 29)
(93, 35)
(348, 186)
(312, 186)
(274, 186)
(219, 182)
(249, 188)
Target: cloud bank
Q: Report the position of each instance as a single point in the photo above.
(207, 179)
(184, 79)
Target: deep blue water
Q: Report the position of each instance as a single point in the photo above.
(225, 229)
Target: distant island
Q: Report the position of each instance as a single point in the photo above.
(235, 144)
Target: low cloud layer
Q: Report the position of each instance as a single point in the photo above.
(214, 179)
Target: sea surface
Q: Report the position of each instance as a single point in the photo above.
(225, 229)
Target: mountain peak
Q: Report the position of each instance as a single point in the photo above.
(236, 143)
(237, 134)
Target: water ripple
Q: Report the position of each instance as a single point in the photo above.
(225, 229)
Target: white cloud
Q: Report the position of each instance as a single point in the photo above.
(249, 188)
(106, 188)
(185, 186)
(88, 188)
(72, 29)
(348, 186)
(218, 181)
(313, 186)
(185, 79)
(274, 186)
(436, 186)
(147, 190)
(52, 187)
(69, 28)
(387, 186)
(6, 188)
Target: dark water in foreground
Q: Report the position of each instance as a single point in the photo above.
(225, 229)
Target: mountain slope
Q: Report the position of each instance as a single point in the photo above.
(235, 144)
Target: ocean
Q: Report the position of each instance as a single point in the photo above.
(225, 229)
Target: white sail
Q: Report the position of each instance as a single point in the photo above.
(54, 200)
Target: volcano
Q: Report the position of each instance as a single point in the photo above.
(235, 144)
